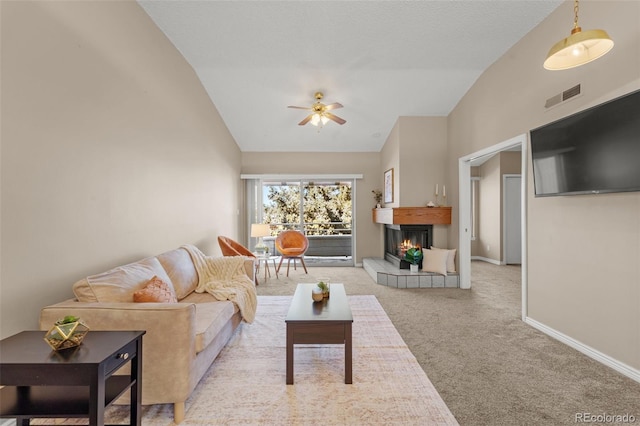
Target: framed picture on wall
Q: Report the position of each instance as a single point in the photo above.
(388, 186)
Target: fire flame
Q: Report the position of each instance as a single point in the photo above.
(406, 245)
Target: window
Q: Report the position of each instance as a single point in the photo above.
(322, 208)
(316, 208)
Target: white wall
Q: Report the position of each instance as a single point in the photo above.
(488, 244)
(390, 159)
(423, 145)
(111, 150)
(416, 149)
(488, 238)
(583, 251)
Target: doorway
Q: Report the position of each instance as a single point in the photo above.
(464, 232)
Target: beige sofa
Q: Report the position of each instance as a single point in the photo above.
(182, 339)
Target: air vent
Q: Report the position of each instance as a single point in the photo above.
(562, 97)
(570, 93)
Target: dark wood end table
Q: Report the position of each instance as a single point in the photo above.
(326, 322)
(77, 382)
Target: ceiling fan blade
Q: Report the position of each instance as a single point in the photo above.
(334, 118)
(306, 120)
(334, 105)
(297, 107)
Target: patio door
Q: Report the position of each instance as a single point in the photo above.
(321, 209)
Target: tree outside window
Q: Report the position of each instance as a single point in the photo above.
(325, 207)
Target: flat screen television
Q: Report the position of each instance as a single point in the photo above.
(591, 152)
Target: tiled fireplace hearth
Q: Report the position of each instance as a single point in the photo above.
(408, 227)
(388, 274)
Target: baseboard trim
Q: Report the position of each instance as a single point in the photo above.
(620, 367)
(486, 259)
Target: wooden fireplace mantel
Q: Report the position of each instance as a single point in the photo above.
(413, 215)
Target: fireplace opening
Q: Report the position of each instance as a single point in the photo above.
(399, 238)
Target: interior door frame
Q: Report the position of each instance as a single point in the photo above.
(464, 203)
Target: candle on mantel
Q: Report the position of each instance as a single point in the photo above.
(436, 189)
(444, 191)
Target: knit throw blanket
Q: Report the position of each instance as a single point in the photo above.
(225, 279)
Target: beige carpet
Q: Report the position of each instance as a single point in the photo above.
(389, 386)
(246, 384)
(490, 368)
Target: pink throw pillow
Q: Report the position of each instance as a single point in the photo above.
(155, 291)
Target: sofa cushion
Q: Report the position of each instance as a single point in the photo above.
(155, 291)
(451, 258)
(211, 317)
(435, 261)
(179, 266)
(119, 284)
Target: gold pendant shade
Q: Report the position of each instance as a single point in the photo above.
(579, 48)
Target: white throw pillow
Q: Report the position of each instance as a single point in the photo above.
(435, 261)
(451, 258)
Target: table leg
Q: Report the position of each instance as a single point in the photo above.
(135, 414)
(347, 354)
(96, 400)
(274, 268)
(289, 354)
(266, 269)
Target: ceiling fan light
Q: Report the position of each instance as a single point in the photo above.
(578, 49)
(320, 112)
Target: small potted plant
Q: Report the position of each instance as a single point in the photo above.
(377, 195)
(316, 294)
(413, 256)
(324, 286)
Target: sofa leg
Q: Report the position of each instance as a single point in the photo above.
(178, 412)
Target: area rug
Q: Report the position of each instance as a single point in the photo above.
(246, 383)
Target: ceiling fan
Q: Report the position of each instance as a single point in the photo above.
(320, 112)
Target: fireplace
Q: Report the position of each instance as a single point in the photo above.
(399, 238)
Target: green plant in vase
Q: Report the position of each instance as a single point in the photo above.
(413, 256)
(324, 287)
(377, 195)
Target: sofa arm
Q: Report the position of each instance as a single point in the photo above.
(250, 265)
(123, 316)
(168, 345)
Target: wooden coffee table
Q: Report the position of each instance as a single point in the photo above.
(326, 322)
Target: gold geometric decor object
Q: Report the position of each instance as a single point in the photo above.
(66, 333)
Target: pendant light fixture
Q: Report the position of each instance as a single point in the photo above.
(579, 48)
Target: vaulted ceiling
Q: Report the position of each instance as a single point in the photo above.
(380, 59)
